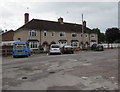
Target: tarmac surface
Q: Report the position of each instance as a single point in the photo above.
(84, 70)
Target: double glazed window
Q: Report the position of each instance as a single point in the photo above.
(62, 34)
(45, 33)
(75, 44)
(33, 45)
(53, 34)
(33, 33)
(93, 35)
(74, 34)
(86, 35)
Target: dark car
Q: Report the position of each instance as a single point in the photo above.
(97, 47)
(67, 49)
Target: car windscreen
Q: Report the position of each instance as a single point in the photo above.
(20, 46)
(55, 46)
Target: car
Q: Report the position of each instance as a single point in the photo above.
(97, 47)
(67, 49)
(55, 49)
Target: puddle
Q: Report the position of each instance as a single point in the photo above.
(24, 78)
(52, 72)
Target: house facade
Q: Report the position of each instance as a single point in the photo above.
(43, 33)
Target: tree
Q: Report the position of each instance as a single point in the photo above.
(101, 36)
(112, 35)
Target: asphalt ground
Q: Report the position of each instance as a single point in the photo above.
(84, 70)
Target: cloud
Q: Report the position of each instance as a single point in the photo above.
(97, 14)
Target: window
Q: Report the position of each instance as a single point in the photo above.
(62, 42)
(45, 33)
(86, 35)
(53, 34)
(74, 34)
(62, 34)
(93, 35)
(33, 45)
(75, 44)
(33, 33)
(19, 38)
(81, 35)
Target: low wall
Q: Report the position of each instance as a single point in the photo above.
(113, 45)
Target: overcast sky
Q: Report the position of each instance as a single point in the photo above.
(100, 15)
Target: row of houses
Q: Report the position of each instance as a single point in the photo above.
(42, 33)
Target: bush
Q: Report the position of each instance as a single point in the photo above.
(117, 41)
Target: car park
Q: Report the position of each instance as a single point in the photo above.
(97, 47)
(67, 49)
(54, 49)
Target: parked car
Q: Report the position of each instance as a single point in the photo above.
(54, 49)
(67, 49)
(97, 47)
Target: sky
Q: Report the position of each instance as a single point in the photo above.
(102, 14)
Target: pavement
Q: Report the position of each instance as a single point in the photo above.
(84, 70)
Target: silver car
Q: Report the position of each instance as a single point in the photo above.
(55, 49)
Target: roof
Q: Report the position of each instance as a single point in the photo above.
(19, 42)
(53, 25)
(7, 32)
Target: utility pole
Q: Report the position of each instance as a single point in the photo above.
(82, 33)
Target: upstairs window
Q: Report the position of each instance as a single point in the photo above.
(86, 35)
(74, 34)
(93, 35)
(81, 35)
(62, 34)
(45, 33)
(33, 33)
(53, 34)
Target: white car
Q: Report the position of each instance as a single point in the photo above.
(55, 49)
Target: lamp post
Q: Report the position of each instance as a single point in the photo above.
(82, 33)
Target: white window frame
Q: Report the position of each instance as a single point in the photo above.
(32, 33)
(92, 35)
(86, 35)
(62, 35)
(73, 44)
(44, 33)
(81, 35)
(33, 44)
(73, 34)
(53, 34)
(60, 42)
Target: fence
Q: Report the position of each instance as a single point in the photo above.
(113, 45)
(6, 50)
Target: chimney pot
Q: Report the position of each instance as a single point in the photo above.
(26, 15)
(84, 23)
(60, 20)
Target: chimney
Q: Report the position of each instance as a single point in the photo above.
(84, 23)
(60, 20)
(26, 17)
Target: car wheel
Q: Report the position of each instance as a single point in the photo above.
(14, 56)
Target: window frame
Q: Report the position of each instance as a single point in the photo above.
(63, 34)
(33, 45)
(32, 33)
(53, 34)
(74, 34)
(44, 33)
(92, 35)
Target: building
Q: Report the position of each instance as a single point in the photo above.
(7, 36)
(43, 33)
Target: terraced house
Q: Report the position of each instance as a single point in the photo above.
(43, 33)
